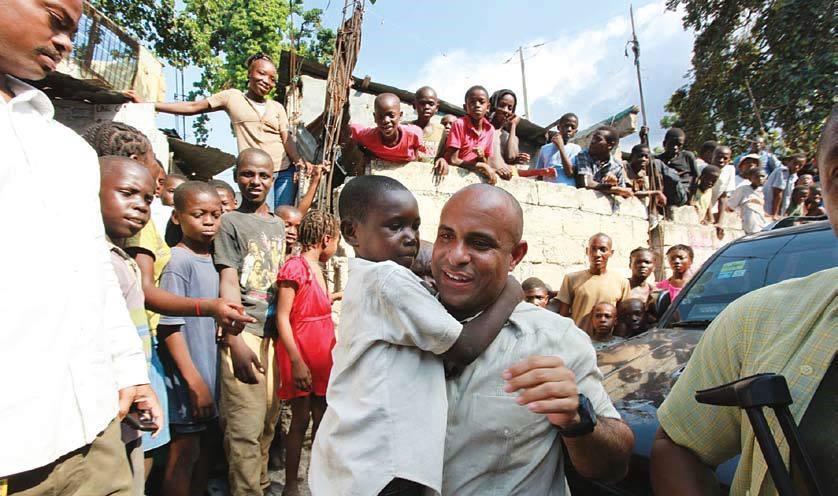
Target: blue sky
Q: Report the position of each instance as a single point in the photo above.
(451, 45)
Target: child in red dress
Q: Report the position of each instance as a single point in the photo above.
(307, 334)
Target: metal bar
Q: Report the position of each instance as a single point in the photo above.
(798, 453)
(524, 83)
(776, 466)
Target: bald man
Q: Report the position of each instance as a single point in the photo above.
(519, 402)
(583, 289)
(390, 140)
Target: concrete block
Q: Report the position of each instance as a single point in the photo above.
(684, 215)
(594, 201)
(557, 195)
(524, 190)
(580, 225)
(630, 207)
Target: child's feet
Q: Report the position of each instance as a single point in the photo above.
(292, 488)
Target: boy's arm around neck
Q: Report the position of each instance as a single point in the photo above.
(479, 333)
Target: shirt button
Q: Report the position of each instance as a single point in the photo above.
(806, 369)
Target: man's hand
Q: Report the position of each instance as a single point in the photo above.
(610, 179)
(230, 316)
(547, 387)
(201, 398)
(486, 171)
(145, 399)
(301, 374)
(244, 360)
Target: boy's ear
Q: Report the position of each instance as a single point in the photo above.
(347, 228)
(174, 218)
(464, 107)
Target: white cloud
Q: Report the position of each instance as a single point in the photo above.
(582, 71)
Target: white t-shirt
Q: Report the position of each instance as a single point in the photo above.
(160, 214)
(750, 203)
(387, 400)
(725, 184)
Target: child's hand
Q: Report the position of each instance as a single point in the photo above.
(522, 158)
(441, 167)
(243, 361)
(483, 169)
(558, 141)
(333, 297)
(505, 172)
(203, 405)
(610, 179)
(301, 374)
(132, 96)
(230, 316)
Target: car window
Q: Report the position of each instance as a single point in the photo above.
(745, 267)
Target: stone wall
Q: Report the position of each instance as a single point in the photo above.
(558, 220)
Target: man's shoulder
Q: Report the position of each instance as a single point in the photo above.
(775, 298)
(550, 326)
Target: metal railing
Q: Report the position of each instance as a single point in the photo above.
(103, 52)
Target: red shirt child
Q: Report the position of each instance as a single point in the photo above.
(404, 150)
(471, 143)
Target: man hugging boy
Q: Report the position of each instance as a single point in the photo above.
(384, 429)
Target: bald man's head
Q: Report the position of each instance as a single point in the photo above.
(478, 243)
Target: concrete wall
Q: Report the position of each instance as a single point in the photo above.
(558, 220)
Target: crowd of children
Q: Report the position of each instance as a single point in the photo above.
(232, 306)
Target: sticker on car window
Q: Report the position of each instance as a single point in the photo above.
(732, 269)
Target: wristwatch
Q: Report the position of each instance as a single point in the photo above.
(586, 423)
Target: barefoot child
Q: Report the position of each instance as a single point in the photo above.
(680, 258)
(125, 193)
(307, 335)
(188, 348)
(384, 428)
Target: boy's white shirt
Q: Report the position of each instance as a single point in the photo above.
(387, 401)
(750, 203)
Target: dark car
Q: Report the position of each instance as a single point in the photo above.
(640, 372)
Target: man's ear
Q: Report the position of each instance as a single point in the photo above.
(464, 107)
(347, 228)
(518, 254)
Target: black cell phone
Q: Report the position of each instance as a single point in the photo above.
(140, 420)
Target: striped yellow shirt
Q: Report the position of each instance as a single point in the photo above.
(789, 328)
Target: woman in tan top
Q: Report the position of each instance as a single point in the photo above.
(257, 122)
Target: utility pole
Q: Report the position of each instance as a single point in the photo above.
(524, 83)
(635, 48)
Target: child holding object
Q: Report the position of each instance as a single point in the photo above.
(307, 334)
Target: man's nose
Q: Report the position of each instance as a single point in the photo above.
(63, 44)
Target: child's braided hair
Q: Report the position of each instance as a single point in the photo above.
(116, 138)
(315, 225)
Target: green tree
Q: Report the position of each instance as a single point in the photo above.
(758, 66)
(218, 35)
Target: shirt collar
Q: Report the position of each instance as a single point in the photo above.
(25, 93)
(485, 125)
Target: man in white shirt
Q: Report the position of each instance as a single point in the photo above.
(71, 360)
(511, 410)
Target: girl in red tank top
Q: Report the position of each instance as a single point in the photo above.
(306, 333)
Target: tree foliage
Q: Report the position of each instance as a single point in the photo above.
(758, 66)
(218, 35)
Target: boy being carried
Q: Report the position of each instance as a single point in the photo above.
(389, 140)
(188, 349)
(385, 424)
